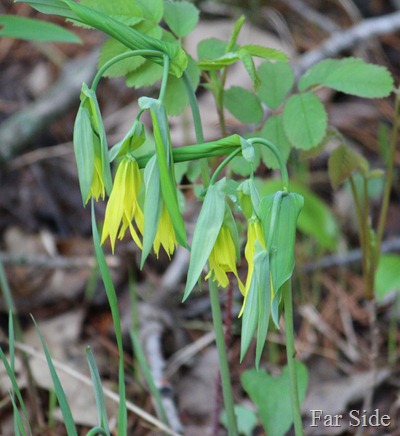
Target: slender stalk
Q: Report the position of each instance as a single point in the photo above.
(223, 359)
(290, 352)
(164, 80)
(198, 127)
(389, 174)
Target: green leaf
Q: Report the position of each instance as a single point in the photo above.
(152, 206)
(243, 105)
(153, 10)
(181, 16)
(134, 139)
(84, 151)
(163, 145)
(98, 391)
(118, 9)
(246, 420)
(273, 131)
(248, 62)
(304, 120)
(272, 396)
(279, 213)
(218, 63)
(263, 52)
(60, 394)
(176, 98)
(343, 162)
(205, 233)
(52, 7)
(316, 218)
(211, 48)
(387, 277)
(34, 30)
(351, 76)
(276, 80)
(146, 75)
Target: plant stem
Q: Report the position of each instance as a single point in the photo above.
(223, 359)
(389, 175)
(290, 352)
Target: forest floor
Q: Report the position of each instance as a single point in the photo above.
(47, 252)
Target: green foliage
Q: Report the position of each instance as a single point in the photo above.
(243, 105)
(246, 420)
(181, 16)
(205, 233)
(211, 48)
(304, 120)
(343, 162)
(276, 80)
(274, 131)
(387, 275)
(316, 218)
(351, 76)
(271, 394)
(32, 29)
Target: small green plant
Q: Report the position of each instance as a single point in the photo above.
(143, 197)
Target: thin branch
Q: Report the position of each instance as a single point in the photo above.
(345, 39)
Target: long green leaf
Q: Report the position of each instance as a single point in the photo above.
(98, 391)
(113, 302)
(32, 29)
(61, 397)
(165, 163)
(205, 233)
(55, 7)
(249, 317)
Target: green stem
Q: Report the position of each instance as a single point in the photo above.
(198, 127)
(111, 62)
(389, 175)
(223, 164)
(290, 352)
(223, 359)
(97, 431)
(278, 156)
(164, 80)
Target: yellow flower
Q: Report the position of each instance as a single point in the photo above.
(165, 235)
(123, 207)
(223, 259)
(254, 233)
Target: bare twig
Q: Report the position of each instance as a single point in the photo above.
(17, 130)
(348, 38)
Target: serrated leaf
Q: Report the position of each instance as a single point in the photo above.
(351, 76)
(146, 75)
(276, 80)
(305, 120)
(248, 63)
(243, 105)
(272, 396)
(153, 10)
(343, 162)
(176, 97)
(273, 131)
(181, 16)
(211, 48)
(387, 277)
(205, 233)
(32, 29)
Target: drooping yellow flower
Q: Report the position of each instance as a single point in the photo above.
(165, 235)
(254, 233)
(223, 259)
(123, 207)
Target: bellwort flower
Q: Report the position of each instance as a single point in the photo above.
(123, 207)
(223, 259)
(165, 235)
